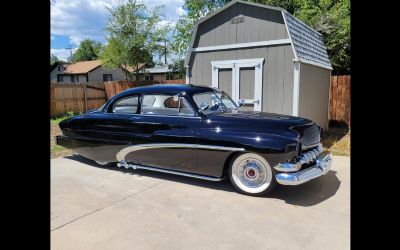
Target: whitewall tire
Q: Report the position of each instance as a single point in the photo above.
(103, 163)
(251, 174)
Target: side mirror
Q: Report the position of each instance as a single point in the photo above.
(240, 103)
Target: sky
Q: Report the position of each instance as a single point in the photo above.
(75, 20)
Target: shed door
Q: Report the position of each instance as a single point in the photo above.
(245, 81)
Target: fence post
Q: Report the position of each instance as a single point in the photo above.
(85, 96)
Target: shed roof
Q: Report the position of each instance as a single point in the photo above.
(307, 43)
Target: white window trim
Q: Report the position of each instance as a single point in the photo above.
(242, 45)
(235, 65)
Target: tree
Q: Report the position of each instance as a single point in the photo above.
(329, 17)
(178, 67)
(53, 59)
(332, 19)
(163, 45)
(88, 50)
(184, 27)
(133, 33)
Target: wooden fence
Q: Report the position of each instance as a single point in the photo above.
(76, 97)
(114, 87)
(339, 99)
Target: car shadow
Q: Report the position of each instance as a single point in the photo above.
(308, 194)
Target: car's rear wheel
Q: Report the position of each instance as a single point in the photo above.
(251, 174)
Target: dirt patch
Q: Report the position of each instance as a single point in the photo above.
(337, 141)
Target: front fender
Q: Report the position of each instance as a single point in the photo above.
(263, 143)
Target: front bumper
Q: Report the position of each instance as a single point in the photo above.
(64, 141)
(322, 166)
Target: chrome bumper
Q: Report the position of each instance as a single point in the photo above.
(321, 167)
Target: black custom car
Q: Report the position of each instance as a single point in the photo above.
(198, 132)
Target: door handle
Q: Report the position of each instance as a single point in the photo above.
(256, 101)
(136, 118)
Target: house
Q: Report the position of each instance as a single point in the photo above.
(264, 55)
(86, 71)
(157, 74)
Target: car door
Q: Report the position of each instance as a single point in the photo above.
(168, 128)
(101, 135)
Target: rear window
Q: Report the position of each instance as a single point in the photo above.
(128, 105)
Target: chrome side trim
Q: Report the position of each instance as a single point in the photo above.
(123, 152)
(311, 146)
(197, 176)
(321, 167)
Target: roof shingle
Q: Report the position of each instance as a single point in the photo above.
(82, 67)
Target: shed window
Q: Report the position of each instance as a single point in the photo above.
(107, 77)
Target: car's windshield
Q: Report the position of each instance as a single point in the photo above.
(213, 102)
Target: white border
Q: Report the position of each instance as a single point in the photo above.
(242, 45)
(296, 87)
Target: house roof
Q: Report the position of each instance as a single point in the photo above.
(157, 70)
(82, 67)
(56, 64)
(307, 43)
(133, 69)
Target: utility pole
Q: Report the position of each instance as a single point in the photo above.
(70, 52)
(165, 52)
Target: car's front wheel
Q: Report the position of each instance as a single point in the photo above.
(251, 174)
(103, 163)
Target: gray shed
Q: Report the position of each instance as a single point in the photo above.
(264, 55)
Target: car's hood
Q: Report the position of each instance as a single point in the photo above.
(272, 118)
(262, 122)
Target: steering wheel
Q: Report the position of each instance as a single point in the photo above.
(215, 106)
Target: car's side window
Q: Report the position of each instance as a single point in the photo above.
(127, 105)
(166, 105)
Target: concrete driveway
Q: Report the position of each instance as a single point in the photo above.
(95, 207)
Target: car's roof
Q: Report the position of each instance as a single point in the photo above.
(171, 89)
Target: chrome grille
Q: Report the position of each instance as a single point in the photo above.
(310, 155)
(309, 135)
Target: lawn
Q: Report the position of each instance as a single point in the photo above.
(56, 150)
(337, 141)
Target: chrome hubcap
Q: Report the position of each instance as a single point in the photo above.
(252, 173)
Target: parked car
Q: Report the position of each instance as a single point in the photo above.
(198, 132)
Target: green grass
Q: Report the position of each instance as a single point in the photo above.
(57, 120)
(57, 150)
(337, 141)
